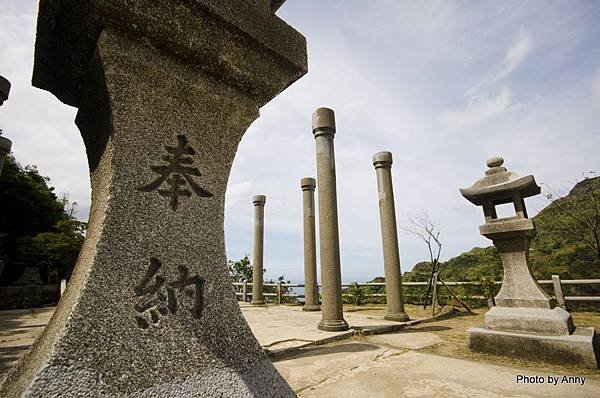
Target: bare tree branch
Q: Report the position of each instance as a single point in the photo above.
(421, 225)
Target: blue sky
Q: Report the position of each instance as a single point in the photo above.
(443, 85)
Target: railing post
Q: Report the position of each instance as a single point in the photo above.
(63, 286)
(279, 292)
(245, 292)
(558, 293)
(434, 300)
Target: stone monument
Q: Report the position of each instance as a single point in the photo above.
(257, 255)
(323, 124)
(5, 143)
(311, 287)
(525, 323)
(382, 161)
(165, 91)
(4, 89)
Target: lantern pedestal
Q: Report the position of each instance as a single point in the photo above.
(534, 320)
(578, 348)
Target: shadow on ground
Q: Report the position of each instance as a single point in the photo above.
(336, 349)
(18, 330)
(431, 328)
(449, 314)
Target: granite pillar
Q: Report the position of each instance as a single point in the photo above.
(165, 91)
(311, 288)
(389, 236)
(323, 124)
(257, 256)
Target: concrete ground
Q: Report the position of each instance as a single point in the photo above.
(368, 369)
(281, 328)
(398, 363)
(18, 330)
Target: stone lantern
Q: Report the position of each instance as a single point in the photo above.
(4, 89)
(5, 143)
(525, 322)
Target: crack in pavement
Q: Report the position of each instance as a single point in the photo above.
(387, 353)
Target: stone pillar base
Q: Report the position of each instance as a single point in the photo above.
(311, 308)
(580, 348)
(530, 320)
(333, 326)
(396, 316)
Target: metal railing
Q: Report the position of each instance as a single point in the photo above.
(556, 283)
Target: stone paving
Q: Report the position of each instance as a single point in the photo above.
(18, 330)
(366, 369)
(280, 329)
(356, 363)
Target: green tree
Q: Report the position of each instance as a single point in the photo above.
(36, 228)
(240, 270)
(356, 295)
(576, 216)
(55, 250)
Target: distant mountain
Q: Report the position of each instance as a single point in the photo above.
(563, 227)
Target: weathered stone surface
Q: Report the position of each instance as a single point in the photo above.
(311, 287)
(382, 161)
(493, 187)
(4, 89)
(242, 44)
(519, 287)
(323, 123)
(579, 348)
(535, 320)
(165, 91)
(257, 254)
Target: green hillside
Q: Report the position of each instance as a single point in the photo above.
(565, 244)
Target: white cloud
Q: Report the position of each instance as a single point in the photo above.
(238, 193)
(478, 109)
(486, 99)
(515, 55)
(517, 52)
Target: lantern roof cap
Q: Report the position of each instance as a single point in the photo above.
(498, 185)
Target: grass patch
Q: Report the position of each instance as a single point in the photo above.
(413, 311)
